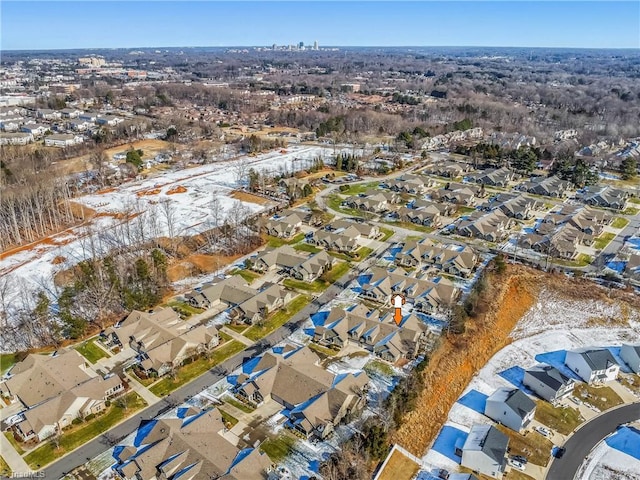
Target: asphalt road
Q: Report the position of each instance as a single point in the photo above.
(586, 438)
(103, 442)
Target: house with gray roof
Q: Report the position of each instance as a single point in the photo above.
(548, 383)
(495, 177)
(492, 227)
(593, 365)
(265, 301)
(313, 267)
(283, 227)
(607, 197)
(193, 446)
(281, 258)
(511, 408)
(484, 451)
(631, 356)
(548, 186)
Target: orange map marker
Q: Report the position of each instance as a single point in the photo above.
(397, 300)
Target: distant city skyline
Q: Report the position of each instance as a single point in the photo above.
(27, 25)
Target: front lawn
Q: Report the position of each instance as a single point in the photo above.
(323, 351)
(5, 471)
(335, 203)
(358, 188)
(14, 442)
(336, 272)
(248, 275)
(619, 222)
(237, 327)
(279, 447)
(315, 286)
(603, 240)
(196, 368)
(531, 445)
(7, 360)
(239, 405)
(630, 211)
(411, 226)
(380, 367)
(386, 234)
(562, 419)
(184, 309)
(603, 398)
(635, 200)
(83, 433)
(228, 418)
(305, 247)
(278, 242)
(360, 254)
(91, 351)
(281, 317)
(461, 210)
(138, 378)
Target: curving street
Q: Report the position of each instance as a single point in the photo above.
(587, 437)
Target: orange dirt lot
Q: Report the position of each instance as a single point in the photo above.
(198, 263)
(248, 197)
(178, 189)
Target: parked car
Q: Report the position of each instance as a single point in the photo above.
(575, 400)
(516, 464)
(521, 459)
(558, 452)
(542, 431)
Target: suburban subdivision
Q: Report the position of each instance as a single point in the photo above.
(318, 263)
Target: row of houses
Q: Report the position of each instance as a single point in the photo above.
(493, 226)
(428, 295)
(453, 259)
(290, 262)
(161, 339)
(562, 231)
(372, 330)
(54, 390)
(343, 235)
(193, 446)
(512, 205)
(409, 183)
(314, 400)
(243, 303)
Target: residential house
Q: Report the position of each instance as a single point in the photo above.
(48, 114)
(283, 227)
(11, 124)
(294, 186)
(548, 383)
(313, 267)
(161, 339)
(191, 447)
(631, 356)
(108, 120)
(71, 112)
(345, 241)
(79, 125)
(35, 129)
(493, 226)
(428, 217)
(459, 193)
(375, 201)
(484, 451)
(514, 206)
(510, 407)
(430, 296)
(371, 330)
(88, 116)
(593, 365)
(548, 186)
(607, 197)
(632, 267)
(255, 309)
(497, 177)
(411, 184)
(51, 416)
(315, 400)
(454, 259)
(281, 258)
(448, 169)
(62, 140)
(16, 138)
(365, 230)
(226, 292)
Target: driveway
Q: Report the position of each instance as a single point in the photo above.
(587, 437)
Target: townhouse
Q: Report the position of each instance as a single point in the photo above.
(376, 201)
(459, 193)
(496, 177)
(492, 227)
(459, 260)
(283, 227)
(16, 138)
(62, 140)
(606, 197)
(548, 186)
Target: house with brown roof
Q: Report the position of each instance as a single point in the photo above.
(364, 229)
(88, 398)
(267, 300)
(459, 193)
(162, 339)
(410, 183)
(344, 241)
(495, 177)
(454, 259)
(372, 330)
(428, 295)
(281, 258)
(376, 201)
(313, 267)
(193, 446)
(548, 186)
(283, 227)
(55, 390)
(492, 227)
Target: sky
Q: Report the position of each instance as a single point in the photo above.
(30, 25)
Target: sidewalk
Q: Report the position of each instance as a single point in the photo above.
(237, 336)
(13, 459)
(141, 390)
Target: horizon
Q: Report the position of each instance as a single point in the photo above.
(375, 24)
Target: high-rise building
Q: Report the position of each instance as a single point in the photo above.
(301, 45)
(315, 45)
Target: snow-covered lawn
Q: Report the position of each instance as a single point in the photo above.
(607, 463)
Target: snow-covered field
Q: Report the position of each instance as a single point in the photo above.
(33, 269)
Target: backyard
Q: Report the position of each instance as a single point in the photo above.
(81, 434)
(279, 447)
(7, 360)
(399, 467)
(248, 275)
(276, 242)
(196, 368)
(531, 445)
